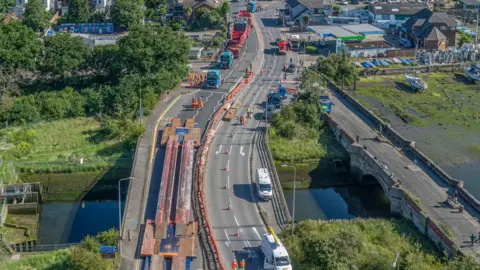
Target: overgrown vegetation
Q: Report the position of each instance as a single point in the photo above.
(365, 244)
(211, 19)
(84, 257)
(452, 105)
(62, 79)
(338, 68)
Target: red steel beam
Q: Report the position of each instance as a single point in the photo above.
(163, 185)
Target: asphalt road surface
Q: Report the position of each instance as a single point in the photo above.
(212, 100)
(230, 195)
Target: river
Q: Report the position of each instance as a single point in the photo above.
(339, 202)
(69, 222)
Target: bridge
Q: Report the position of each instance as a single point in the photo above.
(416, 187)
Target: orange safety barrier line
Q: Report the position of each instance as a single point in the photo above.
(202, 162)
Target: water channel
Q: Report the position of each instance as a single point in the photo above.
(344, 202)
(69, 222)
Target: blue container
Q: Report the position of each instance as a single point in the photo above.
(195, 125)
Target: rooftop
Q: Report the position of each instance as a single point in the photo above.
(346, 32)
(310, 4)
(471, 2)
(396, 8)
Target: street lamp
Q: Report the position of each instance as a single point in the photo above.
(294, 179)
(119, 205)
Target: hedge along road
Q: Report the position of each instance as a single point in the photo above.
(227, 180)
(212, 100)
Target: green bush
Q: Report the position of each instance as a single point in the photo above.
(311, 49)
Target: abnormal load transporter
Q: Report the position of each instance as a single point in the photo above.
(239, 32)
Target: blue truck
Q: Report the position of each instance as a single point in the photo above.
(326, 103)
(226, 58)
(214, 79)
(252, 6)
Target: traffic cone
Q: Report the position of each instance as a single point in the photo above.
(226, 186)
(226, 153)
(233, 134)
(237, 234)
(226, 168)
(229, 207)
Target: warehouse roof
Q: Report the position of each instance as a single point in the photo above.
(396, 8)
(346, 32)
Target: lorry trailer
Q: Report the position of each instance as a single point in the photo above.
(239, 32)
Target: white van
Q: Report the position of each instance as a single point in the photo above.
(274, 252)
(263, 184)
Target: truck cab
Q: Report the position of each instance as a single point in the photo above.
(282, 46)
(263, 184)
(326, 103)
(226, 58)
(252, 6)
(274, 252)
(214, 79)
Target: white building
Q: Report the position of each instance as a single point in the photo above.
(316, 9)
(19, 8)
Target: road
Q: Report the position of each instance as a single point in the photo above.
(430, 189)
(237, 231)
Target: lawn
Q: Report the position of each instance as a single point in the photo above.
(68, 145)
(449, 99)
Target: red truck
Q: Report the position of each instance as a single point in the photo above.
(282, 47)
(239, 32)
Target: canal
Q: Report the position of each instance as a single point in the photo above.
(70, 221)
(344, 202)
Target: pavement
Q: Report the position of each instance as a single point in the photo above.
(431, 190)
(228, 180)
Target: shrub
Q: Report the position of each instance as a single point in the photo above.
(311, 49)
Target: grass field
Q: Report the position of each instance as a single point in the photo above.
(55, 260)
(449, 100)
(59, 146)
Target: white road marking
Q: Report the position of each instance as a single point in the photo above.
(220, 149)
(234, 134)
(228, 181)
(256, 232)
(228, 165)
(230, 151)
(238, 224)
(241, 151)
(227, 243)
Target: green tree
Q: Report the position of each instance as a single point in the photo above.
(104, 60)
(108, 238)
(64, 54)
(19, 46)
(337, 8)
(126, 13)
(98, 17)
(78, 11)
(24, 110)
(205, 18)
(83, 259)
(187, 11)
(146, 47)
(464, 38)
(162, 10)
(224, 10)
(338, 68)
(307, 19)
(35, 16)
(5, 5)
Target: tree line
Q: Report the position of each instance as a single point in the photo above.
(60, 76)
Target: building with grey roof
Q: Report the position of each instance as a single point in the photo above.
(316, 9)
(399, 12)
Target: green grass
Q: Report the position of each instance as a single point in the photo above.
(18, 235)
(360, 244)
(446, 101)
(447, 230)
(474, 150)
(306, 150)
(59, 146)
(55, 260)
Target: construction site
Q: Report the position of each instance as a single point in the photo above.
(169, 241)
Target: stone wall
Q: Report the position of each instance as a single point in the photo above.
(23, 208)
(401, 201)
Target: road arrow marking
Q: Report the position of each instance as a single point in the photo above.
(241, 151)
(227, 243)
(216, 153)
